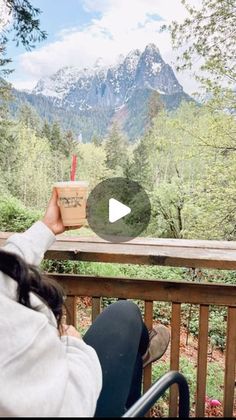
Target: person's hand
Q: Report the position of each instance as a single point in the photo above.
(69, 330)
(52, 217)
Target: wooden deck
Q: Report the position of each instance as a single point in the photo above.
(166, 252)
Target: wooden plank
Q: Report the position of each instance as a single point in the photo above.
(165, 256)
(144, 253)
(202, 360)
(162, 290)
(174, 355)
(70, 304)
(148, 318)
(96, 307)
(188, 243)
(230, 360)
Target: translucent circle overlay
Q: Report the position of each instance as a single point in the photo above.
(128, 192)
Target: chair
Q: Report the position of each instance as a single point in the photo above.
(140, 408)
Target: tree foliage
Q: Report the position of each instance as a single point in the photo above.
(32, 171)
(115, 147)
(188, 166)
(24, 25)
(208, 36)
(186, 161)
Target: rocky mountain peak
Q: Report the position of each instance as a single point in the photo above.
(152, 49)
(111, 86)
(91, 98)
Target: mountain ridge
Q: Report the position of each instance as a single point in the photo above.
(88, 95)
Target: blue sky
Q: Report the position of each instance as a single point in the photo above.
(81, 31)
(66, 14)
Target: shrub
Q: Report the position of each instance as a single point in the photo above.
(14, 216)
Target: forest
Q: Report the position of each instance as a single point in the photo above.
(186, 162)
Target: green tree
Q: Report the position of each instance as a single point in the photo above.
(29, 118)
(209, 35)
(96, 140)
(56, 137)
(141, 168)
(46, 130)
(155, 106)
(91, 164)
(70, 144)
(32, 172)
(115, 147)
(168, 201)
(7, 147)
(194, 185)
(24, 26)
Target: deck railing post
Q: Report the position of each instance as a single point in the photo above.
(96, 307)
(174, 355)
(72, 309)
(202, 360)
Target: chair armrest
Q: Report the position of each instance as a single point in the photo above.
(140, 408)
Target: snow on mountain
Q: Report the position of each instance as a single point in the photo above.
(112, 87)
(88, 100)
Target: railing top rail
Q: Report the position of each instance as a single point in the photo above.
(149, 290)
(166, 252)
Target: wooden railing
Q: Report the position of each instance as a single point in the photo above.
(207, 254)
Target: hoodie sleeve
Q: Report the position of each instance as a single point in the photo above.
(32, 244)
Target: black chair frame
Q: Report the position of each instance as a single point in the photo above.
(146, 402)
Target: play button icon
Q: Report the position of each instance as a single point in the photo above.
(118, 209)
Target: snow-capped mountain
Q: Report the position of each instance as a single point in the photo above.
(113, 86)
(97, 95)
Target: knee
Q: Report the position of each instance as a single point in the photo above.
(125, 319)
(128, 309)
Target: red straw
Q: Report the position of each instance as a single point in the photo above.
(73, 168)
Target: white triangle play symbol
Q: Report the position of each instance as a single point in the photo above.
(117, 210)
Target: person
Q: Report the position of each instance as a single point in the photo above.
(46, 367)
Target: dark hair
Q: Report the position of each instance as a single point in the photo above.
(29, 280)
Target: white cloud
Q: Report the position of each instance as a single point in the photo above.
(25, 84)
(123, 26)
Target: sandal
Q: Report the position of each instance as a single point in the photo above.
(159, 338)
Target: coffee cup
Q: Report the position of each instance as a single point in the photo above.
(72, 199)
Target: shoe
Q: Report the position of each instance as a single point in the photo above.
(159, 338)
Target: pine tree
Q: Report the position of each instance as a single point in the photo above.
(96, 140)
(141, 163)
(29, 118)
(155, 106)
(8, 154)
(56, 138)
(115, 148)
(69, 143)
(46, 130)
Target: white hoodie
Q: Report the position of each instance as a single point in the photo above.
(41, 374)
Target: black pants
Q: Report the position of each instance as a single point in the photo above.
(120, 338)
